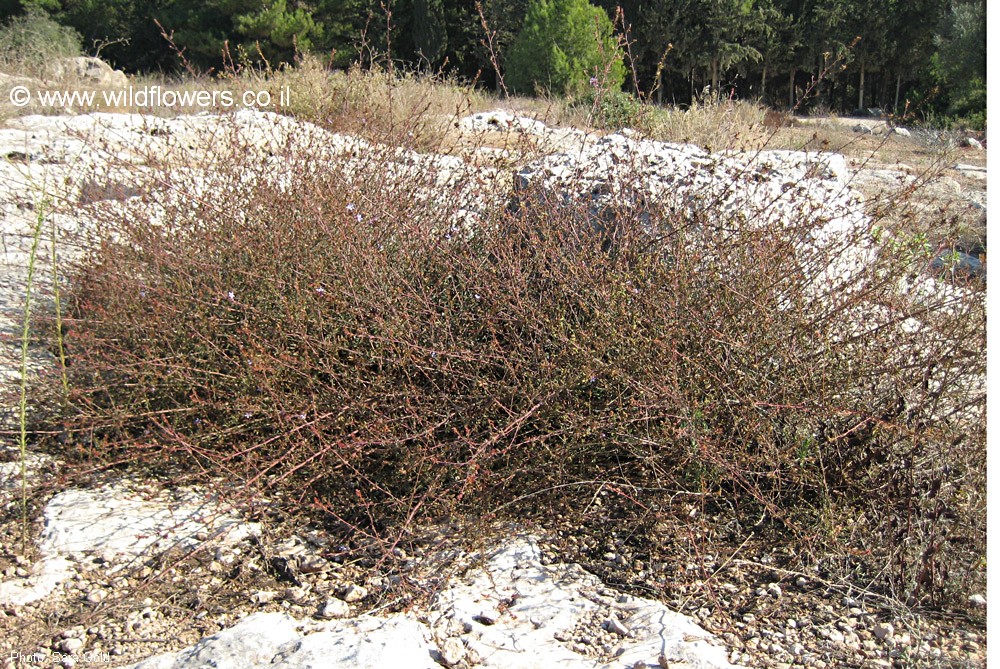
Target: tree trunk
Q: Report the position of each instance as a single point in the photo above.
(895, 104)
(659, 86)
(763, 82)
(715, 76)
(791, 90)
(818, 91)
(861, 87)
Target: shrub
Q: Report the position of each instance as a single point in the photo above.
(613, 110)
(342, 333)
(714, 123)
(562, 46)
(30, 42)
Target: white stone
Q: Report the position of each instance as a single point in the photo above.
(263, 596)
(883, 631)
(501, 121)
(254, 641)
(88, 71)
(547, 600)
(71, 645)
(363, 643)
(354, 593)
(334, 608)
(452, 651)
(119, 524)
(115, 523)
(615, 626)
(557, 596)
(45, 576)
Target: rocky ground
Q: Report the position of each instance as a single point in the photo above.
(122, 571)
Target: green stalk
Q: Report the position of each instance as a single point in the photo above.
(59, 330)
(23, 411)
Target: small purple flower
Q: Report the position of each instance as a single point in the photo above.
(358, 217)
(350, 206)
(321, 291)
(232, 296)
(594, 82)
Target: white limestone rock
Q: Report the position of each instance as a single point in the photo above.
(118, 523)
(45, 576)
(765, 190)
(532, 606)
(541, 603)
(87, 70)
(253, 642)
(501, 121)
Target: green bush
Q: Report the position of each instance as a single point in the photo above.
(30, 42)
(613, 110)
(563, 46)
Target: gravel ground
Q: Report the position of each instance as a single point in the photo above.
(769, 611)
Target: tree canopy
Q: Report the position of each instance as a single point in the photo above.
(563, 45)
(843, 54)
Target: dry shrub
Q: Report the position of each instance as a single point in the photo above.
(406, 108)
(342, 336)
(712, 122)
(774, 118)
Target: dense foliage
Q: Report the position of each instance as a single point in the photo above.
(563, 46)
(929, 55)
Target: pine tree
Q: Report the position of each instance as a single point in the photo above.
(563, 44)
(276, 30)
(430, 41)
(960, 63)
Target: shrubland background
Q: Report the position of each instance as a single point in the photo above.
(924, 56)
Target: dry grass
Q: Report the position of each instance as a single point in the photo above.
(714, 124)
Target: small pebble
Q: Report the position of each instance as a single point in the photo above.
(263, 596)
(615, 626)
(354, 593)
(883, 631)
(71, 645)
(452, 652)
(334, 608)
